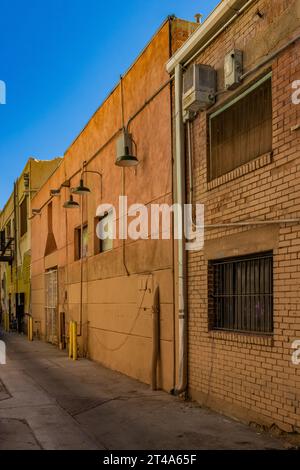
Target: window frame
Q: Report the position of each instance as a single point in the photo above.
(220, 110)
(78, 255)
(98, 242)
(240, 308)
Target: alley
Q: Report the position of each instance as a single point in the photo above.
(48, 401)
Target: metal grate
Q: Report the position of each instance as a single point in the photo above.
(51, 302)
(241, 293)
(242, 130)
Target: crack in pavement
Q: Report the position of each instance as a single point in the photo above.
(64, 410)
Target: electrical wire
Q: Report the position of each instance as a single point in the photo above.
(120, 346)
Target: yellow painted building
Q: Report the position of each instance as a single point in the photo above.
(15, 240)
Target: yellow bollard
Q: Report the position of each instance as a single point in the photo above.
(70, 339)
(74, 341)
(30, 329)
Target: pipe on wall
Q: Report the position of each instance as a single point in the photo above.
(81, 262)
(155, 338)
(15, 284)
(81, 267)
(124, 238)
(179, 220)
(269, 57)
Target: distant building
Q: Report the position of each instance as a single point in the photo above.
(15, 241)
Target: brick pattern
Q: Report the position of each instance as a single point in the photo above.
(247, 374)
(241, 170)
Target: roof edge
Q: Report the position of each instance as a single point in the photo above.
(223, 12)
(122, 75)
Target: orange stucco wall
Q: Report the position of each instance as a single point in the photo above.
(117, 308)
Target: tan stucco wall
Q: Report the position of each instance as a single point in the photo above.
(117, 310)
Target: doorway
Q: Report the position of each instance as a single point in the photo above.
(51, 311)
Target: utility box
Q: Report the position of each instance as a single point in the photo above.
(199, 89)
(233, 69)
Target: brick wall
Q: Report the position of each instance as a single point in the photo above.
(248, 376)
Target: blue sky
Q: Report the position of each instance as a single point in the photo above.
(59, 60)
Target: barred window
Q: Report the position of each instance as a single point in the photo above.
(242, 130)
(241, 293)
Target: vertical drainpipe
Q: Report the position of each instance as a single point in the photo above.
(81, 268)
(172, 189)
(80, 333)
(16, 234)
(29, 222)
(179, 222)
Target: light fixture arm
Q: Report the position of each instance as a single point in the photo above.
(95, 172)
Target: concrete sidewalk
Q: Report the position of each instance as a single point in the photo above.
(48, 401)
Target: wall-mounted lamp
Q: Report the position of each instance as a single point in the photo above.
(71, 204)
(126, 160)
(56, 192)
(125, 157)
(81, 189)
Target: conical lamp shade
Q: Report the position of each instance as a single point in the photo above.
(81, 189)
(127, 160)
(71, 204)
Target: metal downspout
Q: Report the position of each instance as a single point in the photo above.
(155, 338)
(16, 231)
(81, 268)
(179, 219)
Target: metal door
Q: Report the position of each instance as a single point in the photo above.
(51, 306)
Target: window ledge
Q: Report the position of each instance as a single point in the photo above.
(253, 165)
(249, 338)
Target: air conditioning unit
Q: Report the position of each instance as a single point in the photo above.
(233, 69)
(199, 88)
